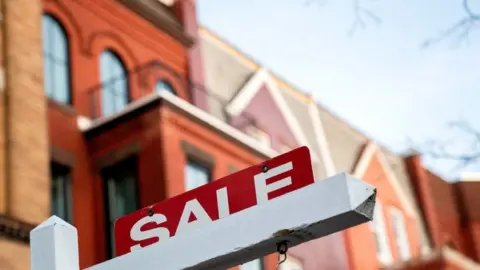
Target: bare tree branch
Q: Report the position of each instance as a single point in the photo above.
(361, 15)
(460, 30)
(462, 158)
(468, 10)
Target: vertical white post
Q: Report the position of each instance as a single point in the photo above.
(54, 246)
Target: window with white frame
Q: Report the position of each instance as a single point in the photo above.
(252, 265)
(196, 174)
(259, 135)
(380, 233)
(401, 236)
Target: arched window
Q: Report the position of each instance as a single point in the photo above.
(114, 83)
(56, 60)
(163, 85)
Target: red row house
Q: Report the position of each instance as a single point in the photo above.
(140, 104)
(117, 117)
(126, 126)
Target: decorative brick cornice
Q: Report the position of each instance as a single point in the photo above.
(14, 229)
(161, 16)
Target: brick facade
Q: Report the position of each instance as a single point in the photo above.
(468, 203)
(3, 153)
(448, 209)
(25, 124)
(13, 255)
(3, 157)
(362, 255)
(152, 136)
(24, 180)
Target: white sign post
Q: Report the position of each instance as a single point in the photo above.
(54, 246)
(324, 207)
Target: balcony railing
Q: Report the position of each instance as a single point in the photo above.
(113, 95)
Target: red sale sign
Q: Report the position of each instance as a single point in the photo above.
(234, 193)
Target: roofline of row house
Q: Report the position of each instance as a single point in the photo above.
(90, 126)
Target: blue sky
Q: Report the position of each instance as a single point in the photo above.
(379, 79)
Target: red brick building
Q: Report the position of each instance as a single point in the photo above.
(130, 103)
(93, 139)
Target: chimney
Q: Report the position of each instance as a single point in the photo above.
(438, 201)
(186, 10)
(420, 181)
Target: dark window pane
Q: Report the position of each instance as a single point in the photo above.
(121, 195)
(61, 192)
(196, 175)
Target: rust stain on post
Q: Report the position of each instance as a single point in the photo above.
(283, 232)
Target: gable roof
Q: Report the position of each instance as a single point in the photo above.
(401, 188)
(227, 72)
(348, 146)
(248, 93)
(220, 48)
(339, 145)
(345, 143)
(251, 88)
(372, 150)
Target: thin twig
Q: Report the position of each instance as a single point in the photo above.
(440, 149)
(461, 30)
(361, 14)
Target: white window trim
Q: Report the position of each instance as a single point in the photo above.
(263, 77)
(260, 135)
(378, 227)
(401, 235)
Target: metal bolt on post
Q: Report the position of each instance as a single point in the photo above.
(282, 249)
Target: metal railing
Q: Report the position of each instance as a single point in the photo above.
(139, 84)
